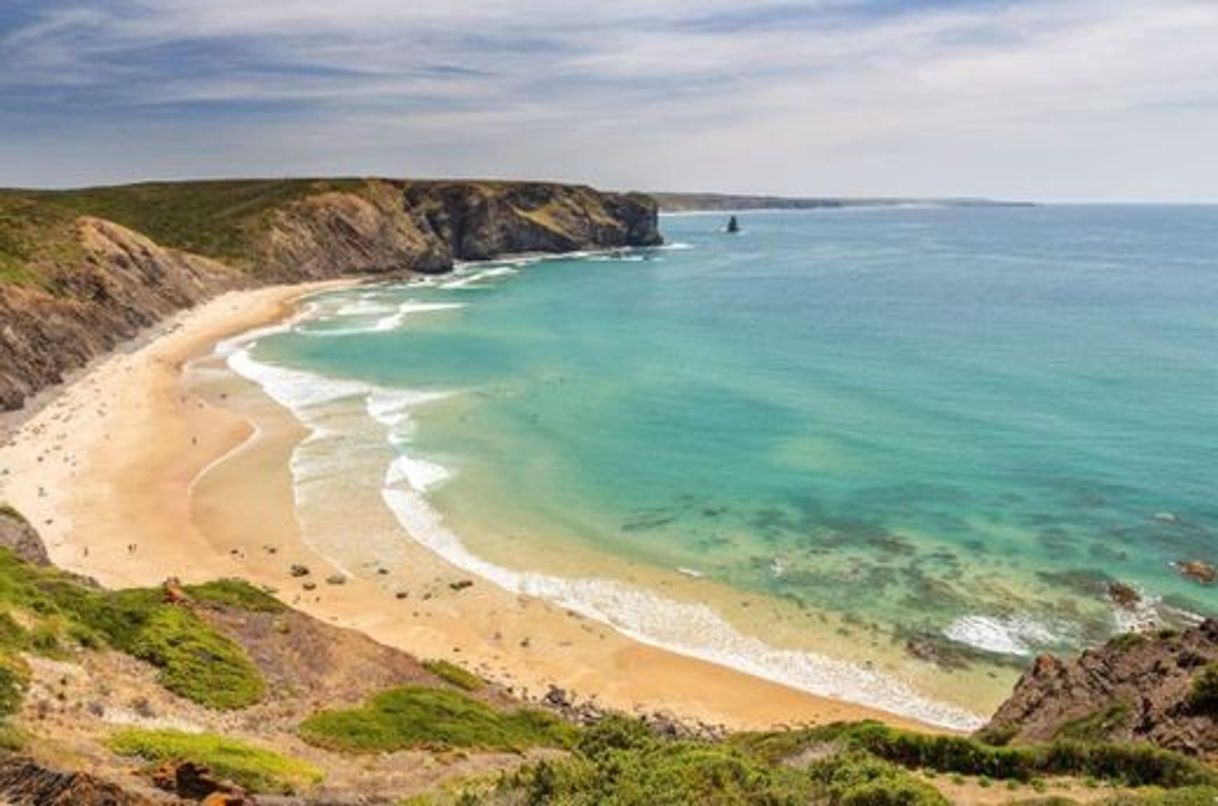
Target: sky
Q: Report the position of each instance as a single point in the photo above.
(1050, 100)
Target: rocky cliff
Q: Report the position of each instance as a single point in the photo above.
(81, 271)
(1136, 688)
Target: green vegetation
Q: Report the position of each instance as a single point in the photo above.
(1187, 796)
(254, 768)
(1098, 726)
(236, 593)
(619, 761)
(1204, 695)
(195, 660)
(220, 219)
(454, 674)
(14, 679)
(857, 779)
(1128, 764)
(1127, 640)
(226, 220)
(413, 716)
(31, 232)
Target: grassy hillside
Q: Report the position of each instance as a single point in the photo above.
(218, 219)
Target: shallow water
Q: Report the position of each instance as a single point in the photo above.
(951, 423)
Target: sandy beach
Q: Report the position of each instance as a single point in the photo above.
(139, 470)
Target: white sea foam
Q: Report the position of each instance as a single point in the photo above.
(1005, 635)
(467, 278)
(419, 474)
(291, 388)
(689, 629)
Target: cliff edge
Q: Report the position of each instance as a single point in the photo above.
(1160, 688)
(81, 271)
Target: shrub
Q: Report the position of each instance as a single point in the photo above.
(454, 674)
(1203, 698)
(196, 662)
(858, 779)
(236, 593)
(1096, 726)
(12, 738)
(1133, 764)
(629, 767)
(14, 679)
(414, 716)
(254, 768)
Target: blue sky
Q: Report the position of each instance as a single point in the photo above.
(1042, 99)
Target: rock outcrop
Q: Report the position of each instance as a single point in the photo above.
(477, 221)
(106, 282)
(19, 537)
(1134, 688)
(25, 781)
(122, 283)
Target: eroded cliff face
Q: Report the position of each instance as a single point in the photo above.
(479, 221)
(123, 283)
(1135, 688)
(117, 281)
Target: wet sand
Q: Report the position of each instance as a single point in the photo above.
(139, 471)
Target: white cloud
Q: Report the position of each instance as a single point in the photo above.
(1050, 98)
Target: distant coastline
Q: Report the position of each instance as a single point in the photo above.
(724, 202)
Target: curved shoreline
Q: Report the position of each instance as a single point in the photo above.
(115, 502)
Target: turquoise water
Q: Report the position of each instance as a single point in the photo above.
(952, 422)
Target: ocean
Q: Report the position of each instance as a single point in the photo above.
(889, 454)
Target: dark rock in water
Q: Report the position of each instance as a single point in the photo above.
(733, 225)
(1198, 571)
(1123, 595)
(1135, 688)
(18, 536)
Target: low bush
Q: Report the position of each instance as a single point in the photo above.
(619, 761)
(236, 593)
(1098, 726)
(254, 768)
(198, 663)
(454, 674)
(195, 660)
(858, 779)
(14, 679)
(415, 716)
(1131, 764)
(1203, 698)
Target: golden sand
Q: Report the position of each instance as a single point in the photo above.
(138, 471)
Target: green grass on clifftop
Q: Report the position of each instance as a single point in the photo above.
(218, 219)
(414, 717)
(225, 220)
(254, 768)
